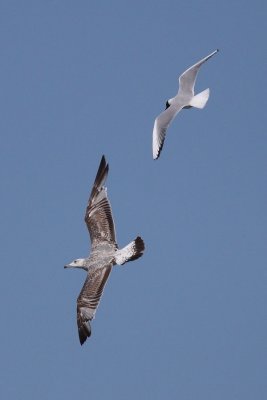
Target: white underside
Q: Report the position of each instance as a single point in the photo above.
(125, 254)
(200, 99)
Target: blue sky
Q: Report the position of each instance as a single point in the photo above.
(82, 79)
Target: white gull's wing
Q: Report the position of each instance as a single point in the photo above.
(98, 215)
(161, 125)
(89, 298)
(188, 78)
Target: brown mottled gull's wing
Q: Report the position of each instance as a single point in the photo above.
(98, 215)
(89, 298)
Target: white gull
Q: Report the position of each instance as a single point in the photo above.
(185, 98)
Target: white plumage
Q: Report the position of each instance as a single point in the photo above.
(185, 98)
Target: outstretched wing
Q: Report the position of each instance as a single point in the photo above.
(161, 125)
(188, 78)
(98, 215)
(89, 298)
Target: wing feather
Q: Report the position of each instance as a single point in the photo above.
(161, 125)
(188, 78)
(98, 215)
(89, 299)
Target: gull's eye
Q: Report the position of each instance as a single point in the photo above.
(75, 262)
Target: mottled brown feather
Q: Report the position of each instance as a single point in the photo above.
(89, 299)
(98, 215)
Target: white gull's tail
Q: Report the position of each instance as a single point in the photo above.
(200, 99)
(130, 252)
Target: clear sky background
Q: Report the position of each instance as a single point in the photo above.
(84, 78)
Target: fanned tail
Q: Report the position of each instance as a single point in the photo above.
(130, 252)
(200, 99)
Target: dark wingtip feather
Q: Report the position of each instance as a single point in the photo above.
(102, 172)
(84, 330)
(100, 178)
(159, 149)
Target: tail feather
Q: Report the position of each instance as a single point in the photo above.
(130, 252)
(200, 99)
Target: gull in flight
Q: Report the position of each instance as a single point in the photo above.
(185, 98)
(104, 252)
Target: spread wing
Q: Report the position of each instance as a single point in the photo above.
(161, 125)
(98, 215)
(188, 78)
(89, 298)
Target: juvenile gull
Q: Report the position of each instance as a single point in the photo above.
(185, 98)
(104, 252)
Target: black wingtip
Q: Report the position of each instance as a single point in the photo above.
(101, 173)
(84, 332)
(103, 159)
(160, 149)
(103, 164)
